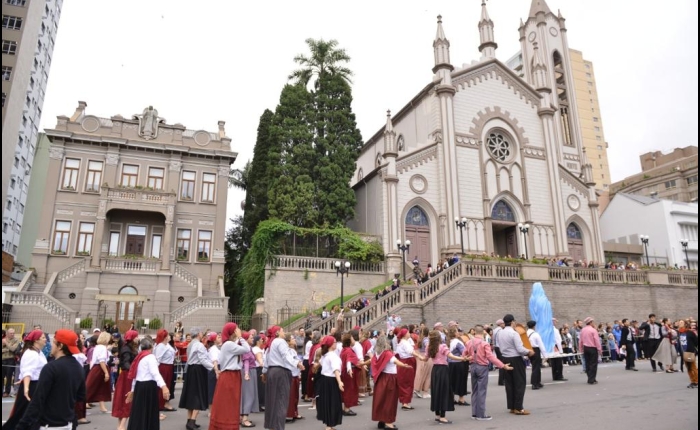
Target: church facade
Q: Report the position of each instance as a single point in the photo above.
(485, 147)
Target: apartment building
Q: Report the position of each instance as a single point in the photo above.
(132, 223)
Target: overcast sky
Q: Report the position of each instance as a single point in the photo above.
(204, 61)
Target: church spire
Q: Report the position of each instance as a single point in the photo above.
(441, 47)
(539, 6)
(539, 68)
(488, 45)
(390, 149)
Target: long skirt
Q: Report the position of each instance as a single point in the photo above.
(145, 415)
(458, 378)
(386, 398)
(20, 406)
(261, 389)
(121, 409)
(194, 394)
(225, 411)
(666, 353)
(304, 377)
(441, 396)
(279, 381)
(310, 386)
(167, 371)
(406, 377)
(293, 409)
(98, 390)
(211, 385)
(350, 395)
(423, 371)
(362, 377)
(249, 393)
(329, 406)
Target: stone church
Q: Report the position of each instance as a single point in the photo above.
(484, 147)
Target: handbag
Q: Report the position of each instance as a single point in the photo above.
(689, 357)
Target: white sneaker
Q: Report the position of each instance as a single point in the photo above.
(486, 418)
(426, 396)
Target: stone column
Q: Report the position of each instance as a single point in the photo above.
(167, 244)
(98, 240)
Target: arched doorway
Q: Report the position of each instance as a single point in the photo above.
(128, 309)
(417, 228)
(575, 241)
(503, 225)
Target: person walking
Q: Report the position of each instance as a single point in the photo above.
(277, 370)
(98, 380)
(194, 396)
(513, 352)
(652, 340)
(536, 359)
(480, 355)
(689, 345)
(61, 384)
(30, 365)
(627, 342)
(226, 406)
(121, 410)
(10, 347)
(147, 385)
(589, 343)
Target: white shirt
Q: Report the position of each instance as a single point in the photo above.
(307, 350)
(257, 350)
(338, 348)
(496, 331)
(357, 347)
(557, 341)
(330, 363)
(535, 340)
(80, 358)
(164, 353)
(214, 353)
(390, 367)
(404, 349)
(99, 355)
(293, 356)
(148, 371)
(31, 364)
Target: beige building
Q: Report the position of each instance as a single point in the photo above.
(28, 36)
(132, 224)
(672, 176)
(588, 113)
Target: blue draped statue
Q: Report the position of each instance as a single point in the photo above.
(541, 311)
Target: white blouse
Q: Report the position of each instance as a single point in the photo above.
(257, 350)
(307, 350)
(338, 348)
(391, 367)
(31, 364)
(164, 353)
(99, 355)
(148, 371)
(404, 349)
(330, 363)
(80, 358)
(357, 347)
(214, 353)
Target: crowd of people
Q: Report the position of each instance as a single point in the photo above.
(234, 374)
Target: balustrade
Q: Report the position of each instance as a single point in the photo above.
(132, 265)
(323, 264)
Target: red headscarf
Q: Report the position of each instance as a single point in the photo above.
(328, 341)
(402, 333)
(33, 335)
(245, 335)
(272, 335)
(131, 335)
(161, 335)
(228, 330)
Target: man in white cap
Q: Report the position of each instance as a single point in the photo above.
(497, 350)
(589, 343)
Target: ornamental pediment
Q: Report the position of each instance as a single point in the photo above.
(494, 69)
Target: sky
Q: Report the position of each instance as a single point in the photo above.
(204, 61)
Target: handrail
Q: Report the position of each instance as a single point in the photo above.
(323, 264)
(54, 307)
(187, 276)
(72, 270)
(198, 303)
(25, 280)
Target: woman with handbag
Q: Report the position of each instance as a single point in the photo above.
(689, 345)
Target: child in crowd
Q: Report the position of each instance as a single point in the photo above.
(113, 365)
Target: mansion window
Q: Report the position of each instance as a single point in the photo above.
(11, 22)
(9, 47)
(183, 244)
(61, 235)
(85, 236)
(20, 3)
(670, 184)
(692, 180)
(6, 73)
(156, 241)
(187, 186)
(204, 245)
(155, 177)
(70, 174)
(130, 174)
(208, 186)
(94, 176)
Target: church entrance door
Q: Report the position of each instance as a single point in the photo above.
(575, 242)
(417, 230)
(505, 239)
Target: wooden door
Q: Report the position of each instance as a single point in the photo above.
(135, 244)
(512, 242)
(420, 247)
(576, 250)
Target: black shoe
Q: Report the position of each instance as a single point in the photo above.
(540, 386)
(349, 413)
(535, 387)
(380, 425)
(561, 379)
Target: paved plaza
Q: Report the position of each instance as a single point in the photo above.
(622, 400)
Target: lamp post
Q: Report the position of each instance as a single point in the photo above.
(461, 225)
(524, 228)
(684, 244)
(645, 241)
(404, 249)
(342, 269)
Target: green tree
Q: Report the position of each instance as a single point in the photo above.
(258, 181)
(325, 59)
(235, 248)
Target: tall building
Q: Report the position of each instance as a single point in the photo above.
(590, 119)
(28, 37)
(671, 176)
(485, 146)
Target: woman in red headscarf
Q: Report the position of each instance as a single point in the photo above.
(349, 372)
(407, 354)
(329, 409)
(127, 353)
(30, 365)
(225, 410)
(165, 355)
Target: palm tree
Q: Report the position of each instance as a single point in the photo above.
(324, 59)
(238, 178)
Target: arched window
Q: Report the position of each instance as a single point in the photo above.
(573, 232)
(502, 212)
(128, 289)
(379, 159)
(401, 143)
(360, 174)
(416, 216)
(499, 146)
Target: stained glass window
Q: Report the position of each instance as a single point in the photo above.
(573, 232)
(416, 216)
(499, 147)
(502, 212)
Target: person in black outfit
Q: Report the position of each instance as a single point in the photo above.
(652, 340)
(627, 340)
(61, 384)
(535, 360)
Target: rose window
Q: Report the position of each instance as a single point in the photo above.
(499, 147)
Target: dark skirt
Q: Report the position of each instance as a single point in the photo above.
(441, 396)
(145, 413)
(279, 381)
(249, 393)
(406, 378)
(350, 395)
(194, 394)
(121, 409)
(167, 372)
(310, 386)
(304, 377)
(225, 411)
(20, 406)
(261, 388)
(329, 406)
(458, 378)
(211, 385)
(98, 390)
(293, 409)
(386, 398)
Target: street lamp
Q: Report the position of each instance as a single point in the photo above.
(524, 228)
(645, 241)
(342, 269)
(684, 244)
(461, 225)
(404, 249)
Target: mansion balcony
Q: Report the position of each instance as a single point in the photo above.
(137, 199)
